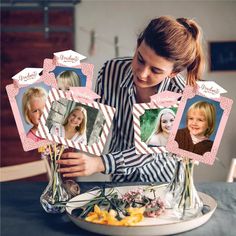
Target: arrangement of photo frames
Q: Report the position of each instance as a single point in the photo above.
(55, 104)
(43, 98)
(192, 127)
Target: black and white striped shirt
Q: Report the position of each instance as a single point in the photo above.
(116, 88)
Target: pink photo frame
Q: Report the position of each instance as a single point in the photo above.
(182, 140)
(104, 122)
(15, 93)
(84, 71)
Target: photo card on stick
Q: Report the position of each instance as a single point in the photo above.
(27, 96)
(75, 120)
(67, 70)
(153, 122)
(200, 122)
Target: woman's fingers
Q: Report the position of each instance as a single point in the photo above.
(69, 162)
(74, 174)
(72, 155)
(71, 169)
(79, 164)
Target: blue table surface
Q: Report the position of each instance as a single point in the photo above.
(22, 214)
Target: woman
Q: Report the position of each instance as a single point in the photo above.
(165, 48)
(164, 123)
(74, 127)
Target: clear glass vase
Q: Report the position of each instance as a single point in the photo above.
(181, 195)
(55, 195)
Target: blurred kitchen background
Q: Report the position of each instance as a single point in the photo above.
(103, 29)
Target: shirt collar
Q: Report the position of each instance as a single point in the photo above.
(128, 79)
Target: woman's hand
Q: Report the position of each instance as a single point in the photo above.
(74, 164)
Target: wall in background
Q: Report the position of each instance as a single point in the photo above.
(126, 19)
(23, 44)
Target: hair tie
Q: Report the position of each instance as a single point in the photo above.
(183, 21)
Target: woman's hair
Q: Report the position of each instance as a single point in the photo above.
(177, 40)
(69, 78)
(210, 113)
(31, 93)
(158, 128)
(83, 126)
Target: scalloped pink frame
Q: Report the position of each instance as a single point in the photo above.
(208, 157)
(12, 90)
(49, 65)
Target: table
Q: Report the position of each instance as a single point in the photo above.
(22, 214)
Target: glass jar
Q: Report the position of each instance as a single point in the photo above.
(54, 197)
(181, 194)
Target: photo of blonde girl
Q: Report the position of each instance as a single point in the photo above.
(74, 127)
(67, 79)
(200, 124)
(33, 103)
(164, 123)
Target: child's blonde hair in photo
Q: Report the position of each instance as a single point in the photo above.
(29, 95)
(210, 114)
(83, 126)
(68, 79)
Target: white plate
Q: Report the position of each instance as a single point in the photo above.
(163, 225)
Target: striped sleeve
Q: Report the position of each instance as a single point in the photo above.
(151, 167)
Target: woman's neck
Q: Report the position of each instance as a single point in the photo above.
(69, 128)
(69, 131)
(143, 94)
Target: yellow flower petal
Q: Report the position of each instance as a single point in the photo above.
(136, 210)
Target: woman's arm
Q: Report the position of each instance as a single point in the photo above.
(151, 167)
(76, 164)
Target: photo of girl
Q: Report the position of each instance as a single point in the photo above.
(200, 121)
(67, 79)
(164, 123)
(33, 103)
(74, 127)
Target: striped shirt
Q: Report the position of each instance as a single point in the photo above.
(116, 88)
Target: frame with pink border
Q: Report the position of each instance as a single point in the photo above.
(50, 65)
(207, 157)
(12, 91)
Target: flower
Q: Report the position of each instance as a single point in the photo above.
(104, 217)
(155, 208)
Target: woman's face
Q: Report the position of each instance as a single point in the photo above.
(36, 109)
(75, 118)
(197, 122)
(167, 120)
(148, 68)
